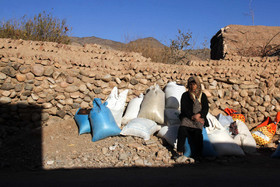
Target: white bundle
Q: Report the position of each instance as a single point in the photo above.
(173, 93)
(116, 103)
(152, 106)
(140, 127)
(244, 138)
(169, 133)
(221, 140)
(132, 109)
(171, 116)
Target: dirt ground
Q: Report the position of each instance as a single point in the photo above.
(55, 154)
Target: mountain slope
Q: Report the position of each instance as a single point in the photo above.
(149, 47)
(150, 41)
(96, 40)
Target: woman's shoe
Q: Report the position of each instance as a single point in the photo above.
(177, 155)
(181, 159)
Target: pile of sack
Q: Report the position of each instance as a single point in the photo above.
(98, 121)
(142, 116)
(157, 111)
(264, 133)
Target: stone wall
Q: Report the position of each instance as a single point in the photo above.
(250, 41)
(61, 78)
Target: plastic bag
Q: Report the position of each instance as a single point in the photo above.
(208, 149)
(132, 109)
(152, 106)
(140, 127)
(116, 103)
(225, 120)
(222, 142)
(102, 121)
(235, 115)
(82, 119)
(244, 138)
(171, 116)
(173, 93)
(169, 133)
(264, 132)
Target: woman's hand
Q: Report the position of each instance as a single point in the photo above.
(196, 117)
(201, 120)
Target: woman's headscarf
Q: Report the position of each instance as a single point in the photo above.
(198, 91)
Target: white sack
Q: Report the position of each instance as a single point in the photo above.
(140, 127)
(152, 106)
(221, 140)
(244, 138)
(132, 109)
(171, 116)
(224, 120)
(169, 133)
(173, 94)
(116, 103)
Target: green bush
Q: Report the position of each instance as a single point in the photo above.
(42, 27)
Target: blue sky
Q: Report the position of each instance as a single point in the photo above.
(125, 20)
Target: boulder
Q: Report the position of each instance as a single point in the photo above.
(38, 70)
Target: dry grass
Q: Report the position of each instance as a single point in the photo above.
(42, 27)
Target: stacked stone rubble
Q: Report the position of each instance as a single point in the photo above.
(59, 79)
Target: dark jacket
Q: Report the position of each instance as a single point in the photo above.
(187, 107)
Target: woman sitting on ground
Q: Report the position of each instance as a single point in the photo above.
(194, 108)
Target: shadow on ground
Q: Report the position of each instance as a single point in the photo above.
(20, 137)
(21, 162)
(202, 174)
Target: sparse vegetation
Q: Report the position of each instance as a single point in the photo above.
(42, 27)
(268, 50)
(179, 46)
(176, 53)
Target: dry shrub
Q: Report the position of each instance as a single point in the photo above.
(266, 49)
(174, 54)
(269, 50)
(42, 27)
